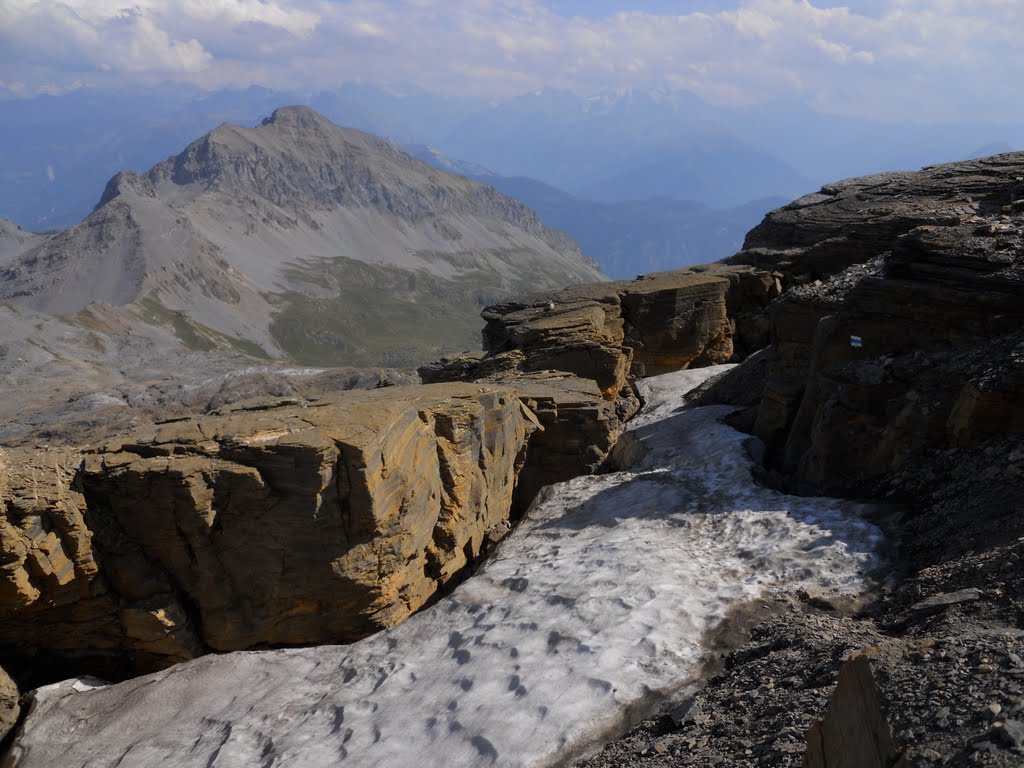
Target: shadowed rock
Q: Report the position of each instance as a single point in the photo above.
(915, 345)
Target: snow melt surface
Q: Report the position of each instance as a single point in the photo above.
(589, 613)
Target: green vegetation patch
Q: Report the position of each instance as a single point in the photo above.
(378, 315)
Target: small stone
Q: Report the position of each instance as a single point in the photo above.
(660, 747)
(984, 668)
(942, 601)
(686, 711)
(1011, 733)
(930, 754)
(995, 708)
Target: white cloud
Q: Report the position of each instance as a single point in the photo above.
(892, 57)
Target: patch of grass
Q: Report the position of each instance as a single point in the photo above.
(378, 315)
(86, 319)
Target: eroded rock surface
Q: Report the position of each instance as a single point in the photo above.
(254, 526)
(851, 221)
(914, 345)
(658, 323)
(10, 705)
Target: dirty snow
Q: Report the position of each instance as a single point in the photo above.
(588, 615)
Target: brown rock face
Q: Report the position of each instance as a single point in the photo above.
(854, 732)
(51, 595)
(911, 350)
(655, 324)
(580, 428)
(10, 704)
(271, 526)
(576, 330)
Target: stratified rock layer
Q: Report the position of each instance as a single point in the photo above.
(850, 222)
(256, 526)
(604, 332)
(916, 345)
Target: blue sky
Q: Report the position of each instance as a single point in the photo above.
(898, 59)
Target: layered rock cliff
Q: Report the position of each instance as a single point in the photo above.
(880, 360)
(259, 526)
(606, 332)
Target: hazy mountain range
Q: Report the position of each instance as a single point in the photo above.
(296, 239)
(55, 151)
(626, 238)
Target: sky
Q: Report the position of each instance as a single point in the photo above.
(936, 60)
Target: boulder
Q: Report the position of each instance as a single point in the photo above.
(10, 704)
(577, 330)
(854, 733)
(271, 524)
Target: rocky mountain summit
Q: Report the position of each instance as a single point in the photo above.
(298, 239)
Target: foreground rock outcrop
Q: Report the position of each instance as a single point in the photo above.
(324, 517)
(255, 526)
(591, 610)
(914, 346)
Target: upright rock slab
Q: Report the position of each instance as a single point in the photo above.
(854, 733)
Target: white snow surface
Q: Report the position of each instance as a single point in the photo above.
(589, 614)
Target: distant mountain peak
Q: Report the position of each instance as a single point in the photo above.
(8, 227)
(296, 237)
(297, 116)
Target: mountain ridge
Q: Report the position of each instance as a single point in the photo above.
(249, 231)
